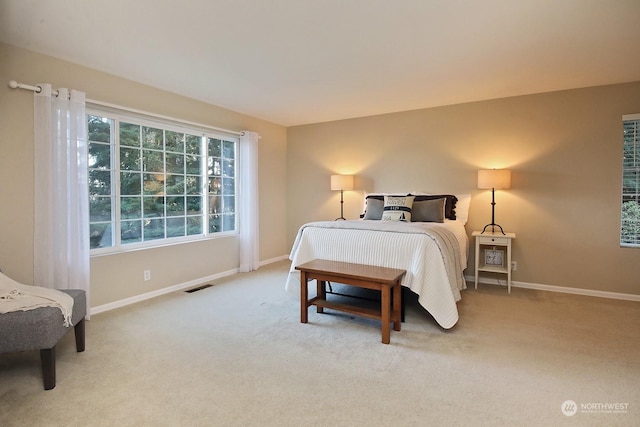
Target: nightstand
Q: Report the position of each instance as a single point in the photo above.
(493, 253)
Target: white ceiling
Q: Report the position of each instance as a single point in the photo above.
(304, 61)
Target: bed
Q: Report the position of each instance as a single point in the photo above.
(434, 253)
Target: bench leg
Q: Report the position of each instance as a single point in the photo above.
(398, 301)
(79, 333)
(403, 293)
(48, 362)
(304, 297)
(386, 314)
(321, 292)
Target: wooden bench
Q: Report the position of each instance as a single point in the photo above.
(385, 280)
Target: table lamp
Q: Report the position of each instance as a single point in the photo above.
(494, 179)
(341, 182)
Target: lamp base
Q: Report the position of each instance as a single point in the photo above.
(493, 226)
(341, 217)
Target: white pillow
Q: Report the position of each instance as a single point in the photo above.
(397, 208)
(462, 207)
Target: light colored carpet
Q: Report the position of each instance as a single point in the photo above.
(236, 354)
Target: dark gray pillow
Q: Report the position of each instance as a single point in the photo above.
(449, 206)
(428, 210)
(374, 209)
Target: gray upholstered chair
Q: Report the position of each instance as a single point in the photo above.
(41, 329)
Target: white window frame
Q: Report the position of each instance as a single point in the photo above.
(169, 125)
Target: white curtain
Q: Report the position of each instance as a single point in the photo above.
(61, 205)
(248, 203)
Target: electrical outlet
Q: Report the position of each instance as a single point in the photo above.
(514, 265)
(147, 275)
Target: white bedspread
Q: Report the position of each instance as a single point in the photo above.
(433, 254)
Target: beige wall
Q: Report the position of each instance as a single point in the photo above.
(564, 149)
(115, 277)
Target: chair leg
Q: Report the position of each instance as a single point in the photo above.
(79, 333)
(48, 362)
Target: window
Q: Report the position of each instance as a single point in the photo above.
(630, 217)
(155, 183)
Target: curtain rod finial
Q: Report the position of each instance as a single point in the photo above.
(13, 84)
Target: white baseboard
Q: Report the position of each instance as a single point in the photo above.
(272, 260)
(158, 292)
(561, 289)
(174, 288)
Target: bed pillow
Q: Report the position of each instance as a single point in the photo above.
(462, 207)
(377, 196)
(374, 209)
(449, 207)
(397, 208)
(450, 204)
(428, 210)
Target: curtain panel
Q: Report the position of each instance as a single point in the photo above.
(249, 218)
(61, 204)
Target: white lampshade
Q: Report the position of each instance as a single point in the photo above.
(494, 178)
(341, 182)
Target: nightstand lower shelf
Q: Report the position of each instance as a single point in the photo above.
(501, 270)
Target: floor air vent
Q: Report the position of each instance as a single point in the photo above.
(199, 288)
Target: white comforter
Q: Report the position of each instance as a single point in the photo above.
(433, 254)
